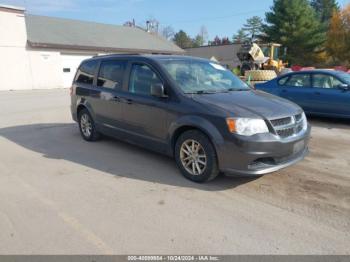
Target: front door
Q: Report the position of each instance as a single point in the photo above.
(328, 98)
(145, 116)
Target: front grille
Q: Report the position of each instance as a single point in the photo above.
(281, 121)
(288, 126)
(285, 132)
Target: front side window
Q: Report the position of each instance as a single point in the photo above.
(142, 77)
(111, 74)
(195, 76)
(299, 80)
(86, 71)
(325, 81)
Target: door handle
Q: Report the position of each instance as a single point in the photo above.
(284, 90)
(129, 101)
(317, 93)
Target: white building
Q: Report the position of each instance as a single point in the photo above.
(44, 52)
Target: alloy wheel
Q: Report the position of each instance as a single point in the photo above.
(193, 157)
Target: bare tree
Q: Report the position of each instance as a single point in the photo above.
(203, 32)
(167, 32)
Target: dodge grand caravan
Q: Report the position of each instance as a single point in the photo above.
(191, 109)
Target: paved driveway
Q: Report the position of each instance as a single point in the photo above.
(61, 195)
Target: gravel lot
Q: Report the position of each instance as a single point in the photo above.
(61, 195)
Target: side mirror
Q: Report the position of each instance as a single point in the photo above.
(157, 90)
(344, 87)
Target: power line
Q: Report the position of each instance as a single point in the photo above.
(218, 17)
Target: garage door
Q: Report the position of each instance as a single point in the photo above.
(70, 64)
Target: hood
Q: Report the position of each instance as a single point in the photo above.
(250, 104)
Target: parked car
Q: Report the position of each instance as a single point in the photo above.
(318, 92)
(191, 109)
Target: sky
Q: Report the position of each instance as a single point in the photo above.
(220, 17)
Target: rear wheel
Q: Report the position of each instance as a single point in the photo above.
(196, 156)
(87, 126)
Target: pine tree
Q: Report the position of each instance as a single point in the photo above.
(240, 37)
(182, 39)
(253, 27)
(324, 9)
(294, 25)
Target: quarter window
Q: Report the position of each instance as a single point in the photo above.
(86, 72)
(142, 77)
(299, 80)
(325, 81)
(111, 74)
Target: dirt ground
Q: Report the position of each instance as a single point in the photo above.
(61, 195)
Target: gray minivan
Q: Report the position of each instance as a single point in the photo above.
(191, 109)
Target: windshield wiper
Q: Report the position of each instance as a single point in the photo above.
(201, 92)
(238, 89)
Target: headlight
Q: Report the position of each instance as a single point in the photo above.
(246, 126)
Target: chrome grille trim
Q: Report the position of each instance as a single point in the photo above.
(287, 126)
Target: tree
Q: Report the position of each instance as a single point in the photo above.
(168, 32)
(294, 25)
(182, 39)
(338, 36)
(197, 41)
(253, 27)
(324, 10)
(216, 41)
(240, 37)
(225, 41)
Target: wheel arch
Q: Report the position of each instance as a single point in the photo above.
(194, 123)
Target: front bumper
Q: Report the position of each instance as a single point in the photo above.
(261, 154)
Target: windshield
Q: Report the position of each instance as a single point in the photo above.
(194, 76)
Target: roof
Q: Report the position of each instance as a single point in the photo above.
(155, 57)
(223, 53)
(43, 31)
(12, 7)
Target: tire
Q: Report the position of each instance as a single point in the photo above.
(260, 75)
(87, 126)
(196, 170)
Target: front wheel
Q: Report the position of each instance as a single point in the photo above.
(196, 156)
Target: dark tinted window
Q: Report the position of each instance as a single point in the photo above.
(299, 80)
(111, 74)
(142, 77)
(86, 72)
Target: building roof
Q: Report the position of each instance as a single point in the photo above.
(11, 8)
(54, 32)
(225, 54)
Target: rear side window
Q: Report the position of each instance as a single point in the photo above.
(111, 74)
(299, 80)
(86, 71)
(283, 81)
